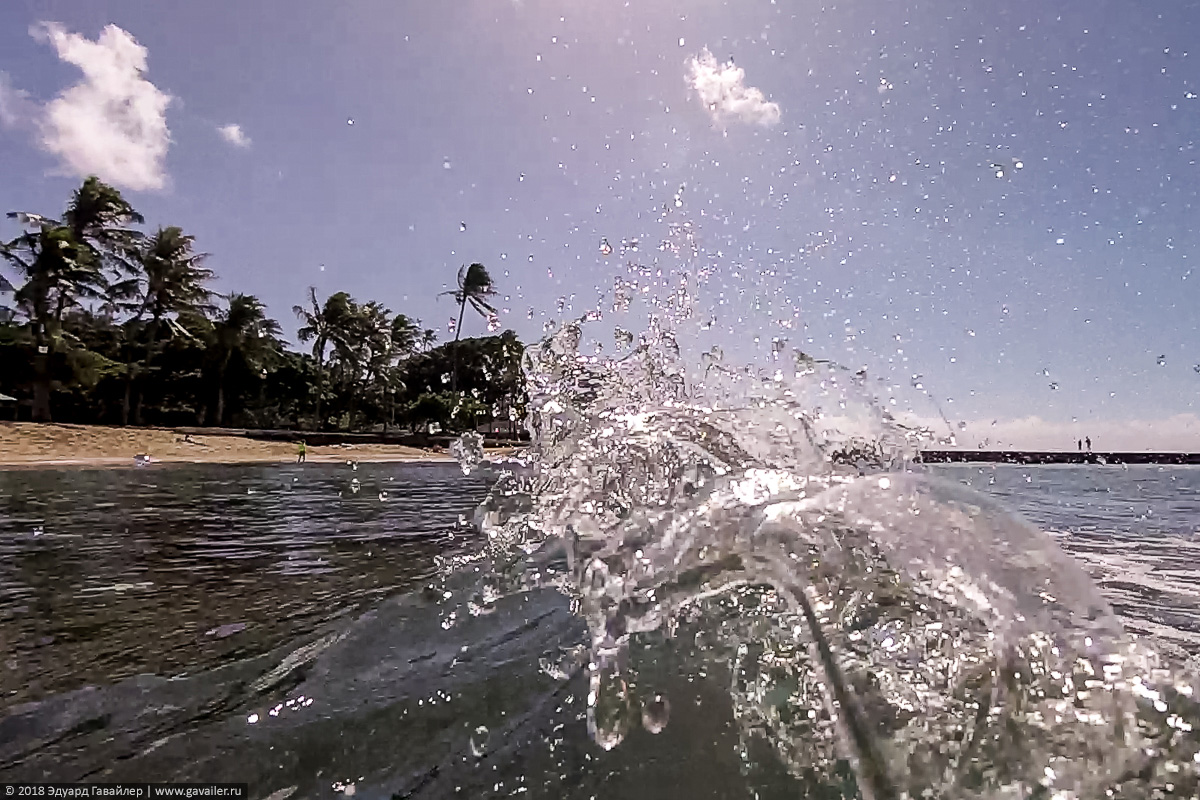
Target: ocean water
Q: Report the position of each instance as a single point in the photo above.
(1135, 529)
(299, 629)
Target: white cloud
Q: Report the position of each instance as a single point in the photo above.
(722, 90)
(113, 122)
(234, 135)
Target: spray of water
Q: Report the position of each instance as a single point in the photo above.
(874, 617)
(888, 634)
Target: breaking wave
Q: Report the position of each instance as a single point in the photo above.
(888, 634)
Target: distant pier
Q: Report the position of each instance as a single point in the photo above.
(1051, 457)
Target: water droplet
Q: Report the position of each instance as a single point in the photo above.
(970, 332)
(253, 718)
(1060, 240)
(462, 226)
(605, 247)
(349, 122)
(445, 377)
(446, 163)
(1054, 386)
(1162, 360)
(682, 41)
(479, 741)
(1045, 373)
(655, 714)
(610, 708)
(468, 451)
(522, 180)
(1019, 165)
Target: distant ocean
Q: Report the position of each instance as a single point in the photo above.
(1136, 529)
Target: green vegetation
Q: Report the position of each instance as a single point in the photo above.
(103, 323)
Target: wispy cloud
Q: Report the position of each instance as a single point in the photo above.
(234, 135)
(15, 105)
(112, 123)
(722, 89)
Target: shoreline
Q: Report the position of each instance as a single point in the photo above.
(375, 458)
(53, 445)
(1081, 457)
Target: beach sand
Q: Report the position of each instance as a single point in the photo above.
(38, 444)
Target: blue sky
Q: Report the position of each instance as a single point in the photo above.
(845, 180)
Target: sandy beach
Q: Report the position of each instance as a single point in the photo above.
(35, 444)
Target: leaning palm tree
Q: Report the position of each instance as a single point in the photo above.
(98, 215)
(406, 335)
(173, 278)
(53, 271)
(426, 339)
(243, 329)
(476, 288)
(96, 218)
(324, 325)
(60, 262)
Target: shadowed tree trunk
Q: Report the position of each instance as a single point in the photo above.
(127, 398)
(221, 372)
(40, 408)
(462, 308)
(139, 388)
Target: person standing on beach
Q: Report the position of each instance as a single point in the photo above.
(1079, 444)
(1088, 442)
(301, 452)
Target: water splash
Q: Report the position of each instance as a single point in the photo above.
(871, 615)
(468, 451)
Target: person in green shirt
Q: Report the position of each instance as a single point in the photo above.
(301, 452)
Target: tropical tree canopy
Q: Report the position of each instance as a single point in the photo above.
(101, 321)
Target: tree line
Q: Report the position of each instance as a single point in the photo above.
(102, 322)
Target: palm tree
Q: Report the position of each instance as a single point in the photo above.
(61, 263)
(426, 339)
(323, 325)
(173, 279)
(243, 329)
(474, 287)
(97, 215)
(406, 335)
(374, 353)
(54, 270)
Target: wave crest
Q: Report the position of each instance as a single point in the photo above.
(872, 617)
